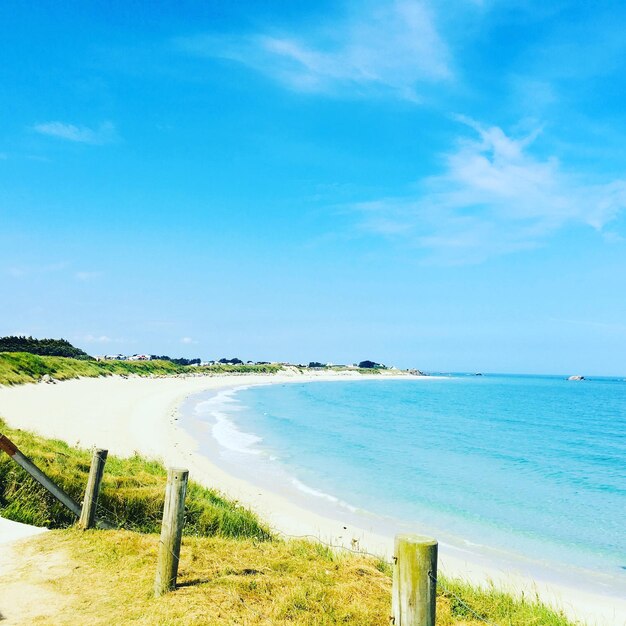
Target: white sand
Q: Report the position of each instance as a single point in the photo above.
(140, 415)
(13, 531)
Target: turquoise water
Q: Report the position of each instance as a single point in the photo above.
(532, 466)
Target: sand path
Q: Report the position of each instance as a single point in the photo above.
(27, 575)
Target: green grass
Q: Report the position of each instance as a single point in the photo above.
(494, 605)
(131, 496)
(21, 367)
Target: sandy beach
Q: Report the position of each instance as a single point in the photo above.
(128, 415)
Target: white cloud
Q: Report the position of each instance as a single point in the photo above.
(19, 271)
(493, 198)
(608, 326)
(87, 276)
(96, 339)
(16, 272)
(187, 340)
(105, 133)
(389, 46)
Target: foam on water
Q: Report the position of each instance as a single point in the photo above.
(221, 408)
(320, 494)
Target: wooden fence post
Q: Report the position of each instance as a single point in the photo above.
(171, 531)
(414, 592)
(88, 513)
(24, 462)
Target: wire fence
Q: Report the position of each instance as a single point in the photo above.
(450, 593)
(440, 585)
(333, 546)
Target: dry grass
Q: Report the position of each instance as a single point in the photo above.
(109, 578)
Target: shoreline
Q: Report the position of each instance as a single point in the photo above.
(143, 415)
(212, 419)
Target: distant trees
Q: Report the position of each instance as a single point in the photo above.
(164, 357)
(42, 347)
(369, 365)
(231, 361)
(316, 364)
(186, 361)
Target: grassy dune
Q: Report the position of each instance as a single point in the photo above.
(21, 367)
(131, 496)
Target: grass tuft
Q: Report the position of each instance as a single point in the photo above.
(464, 601)
(131, 496)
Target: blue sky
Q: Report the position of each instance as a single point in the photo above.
(429, 184)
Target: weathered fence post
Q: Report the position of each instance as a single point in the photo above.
(171, 531)
(88, 513)
(414, 592)
(25, 463)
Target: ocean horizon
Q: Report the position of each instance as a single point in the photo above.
(526, 471)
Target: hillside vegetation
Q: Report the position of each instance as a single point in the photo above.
(20, 367)
(42, 347)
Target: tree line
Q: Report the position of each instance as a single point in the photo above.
(42, 347)
(164, 357)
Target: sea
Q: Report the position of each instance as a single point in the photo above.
(525, 471)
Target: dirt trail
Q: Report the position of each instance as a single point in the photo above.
(28, 572)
